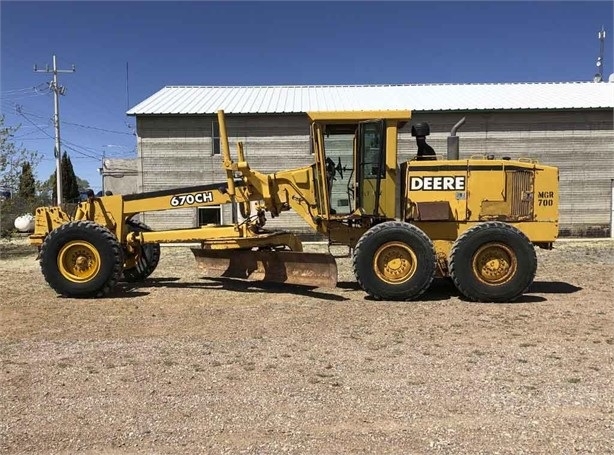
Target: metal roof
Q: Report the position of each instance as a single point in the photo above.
(416, 97)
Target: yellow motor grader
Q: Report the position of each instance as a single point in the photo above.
(474, 220)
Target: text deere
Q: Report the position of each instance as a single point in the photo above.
(456, 183)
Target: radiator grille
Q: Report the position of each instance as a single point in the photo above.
(522, 194)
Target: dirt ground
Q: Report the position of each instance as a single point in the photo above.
(184, 364)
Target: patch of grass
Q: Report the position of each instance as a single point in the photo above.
(323, 374)
(249, 366)
(376, 346)
(573, 380)
(527, 345)
(10, 250)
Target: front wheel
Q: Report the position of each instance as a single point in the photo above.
(394, 261)
(493, 262)
(81, 259)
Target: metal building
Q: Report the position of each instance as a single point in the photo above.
(569, 125)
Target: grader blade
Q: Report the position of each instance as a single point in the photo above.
(307, 269)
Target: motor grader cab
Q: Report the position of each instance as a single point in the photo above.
(475, 220)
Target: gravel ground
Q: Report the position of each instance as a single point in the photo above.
(183, 364)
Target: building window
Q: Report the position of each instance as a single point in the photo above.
(210, 215)
(215, 138)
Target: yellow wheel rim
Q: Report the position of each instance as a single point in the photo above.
(494, 263)
(79, 261)
(395, 262)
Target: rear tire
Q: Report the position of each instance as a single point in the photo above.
(394, 261)
(81, 259)
(493, 262)
(148, 257)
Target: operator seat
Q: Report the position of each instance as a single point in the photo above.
(425, 151)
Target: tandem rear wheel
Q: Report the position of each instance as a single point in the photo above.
(493, 262)
(394, 261)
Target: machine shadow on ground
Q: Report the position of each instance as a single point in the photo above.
(441, 289)
(230, 284)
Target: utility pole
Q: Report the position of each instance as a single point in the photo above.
(57, 91)
(102, 170)
(599, 75)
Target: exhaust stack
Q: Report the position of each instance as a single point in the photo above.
(453, 140)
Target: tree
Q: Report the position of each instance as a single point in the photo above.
(70, 188)
(27, 184)
(82, 184)
(12, 157)
(71, 184)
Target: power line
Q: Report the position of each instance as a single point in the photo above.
(33, 124)
(69, 147)
(91, 150)
(25, 89)
(14, 106)
(30, 95)
(31, 138)
(65, 141)
(98, 129)
(21, 136)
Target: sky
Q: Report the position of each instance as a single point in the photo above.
(124, 52)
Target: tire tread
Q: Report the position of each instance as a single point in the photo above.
(52, 276)
(488, 225)
(364, 239)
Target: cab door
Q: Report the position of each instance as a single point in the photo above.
(370, 167)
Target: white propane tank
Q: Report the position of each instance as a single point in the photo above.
(24, 223)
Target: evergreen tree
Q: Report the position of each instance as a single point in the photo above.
(27, 184)
(52, 186)
(70, 187)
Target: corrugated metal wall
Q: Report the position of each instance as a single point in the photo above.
(176, 151)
